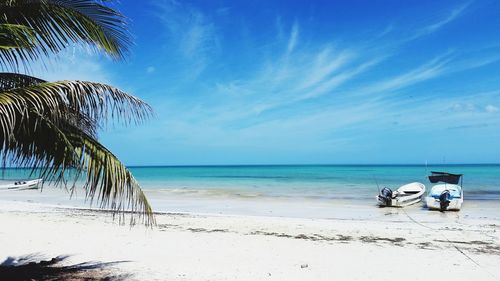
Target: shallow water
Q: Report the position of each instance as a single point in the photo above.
(323, 182)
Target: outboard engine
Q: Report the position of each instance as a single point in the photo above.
(385, 196)
(444, 200)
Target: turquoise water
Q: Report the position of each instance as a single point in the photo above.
(481, 182)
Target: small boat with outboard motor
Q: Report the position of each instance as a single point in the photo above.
(22, 184)
(405, 195)
(447, 194)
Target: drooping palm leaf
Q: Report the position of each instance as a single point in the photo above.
(106, 179)
(59, 23)
(17, 42)
(96, 101)
(14, 80)
(65, 145)
(51, 128)
(16, 36)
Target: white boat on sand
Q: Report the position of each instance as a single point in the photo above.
(22, 184)
(447, 195)
(406, 195)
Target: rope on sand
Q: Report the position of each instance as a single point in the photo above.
(451, 243)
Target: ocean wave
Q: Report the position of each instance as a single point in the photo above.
(242, 193)
(482, 191)
(303, 178)
(245, 177)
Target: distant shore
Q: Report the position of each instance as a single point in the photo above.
(356, 243)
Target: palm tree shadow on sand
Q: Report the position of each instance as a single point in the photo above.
(32, 267)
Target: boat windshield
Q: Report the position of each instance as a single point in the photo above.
(445, 177)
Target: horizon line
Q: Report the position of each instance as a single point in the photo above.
(296, 164)
(291, 165)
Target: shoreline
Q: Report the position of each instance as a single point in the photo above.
(362, 209)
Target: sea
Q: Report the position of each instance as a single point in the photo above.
(322, 182)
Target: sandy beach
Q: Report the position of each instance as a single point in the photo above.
(413, 243)
(259, 140)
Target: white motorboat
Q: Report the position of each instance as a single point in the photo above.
(447, 194)
(22, 184)
(406, 195)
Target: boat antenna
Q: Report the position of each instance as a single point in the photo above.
(426, 169)
(376, 182)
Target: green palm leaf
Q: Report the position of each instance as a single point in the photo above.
(16, 42)
(14, 80)
(51, 126)
(16, 36)
(96, 101)
(58, 24)
(73, 154)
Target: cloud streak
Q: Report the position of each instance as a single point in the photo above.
(294, 37)
(453, 15)
(193, 33)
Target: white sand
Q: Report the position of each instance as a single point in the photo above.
(236, 247)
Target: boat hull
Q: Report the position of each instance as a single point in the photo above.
(405, 195)
(433, 200)
(22, 185)
(435, 204)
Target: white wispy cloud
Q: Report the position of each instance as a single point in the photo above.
(280, 32)
(299, 76)
(294, 37)
(325, 65)
(452, 15)
(445, 64)
(429, 70)
(491, 108)
(463, 111)
(191, 31)
(475, 60)
(327, 86)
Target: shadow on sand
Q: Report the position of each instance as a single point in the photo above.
(32, 267)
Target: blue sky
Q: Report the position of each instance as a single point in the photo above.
(283, 82)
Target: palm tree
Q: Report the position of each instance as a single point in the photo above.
(52, 126)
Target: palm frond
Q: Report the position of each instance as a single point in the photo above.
(58, 24)
(109, 179)
(15, 80)
(16, 44)
(16, 36)
(97, 102)
(51, 127)
(63, 151)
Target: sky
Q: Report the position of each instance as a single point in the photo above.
(305, 82)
